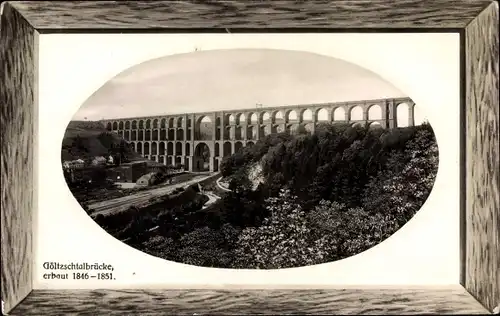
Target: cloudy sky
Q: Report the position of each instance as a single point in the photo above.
(232, 79)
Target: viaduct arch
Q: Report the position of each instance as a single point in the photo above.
(199, 141)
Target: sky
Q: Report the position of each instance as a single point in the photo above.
(217, 80)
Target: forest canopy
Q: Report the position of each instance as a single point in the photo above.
(297, 199)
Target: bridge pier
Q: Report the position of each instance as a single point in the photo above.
(211, 164)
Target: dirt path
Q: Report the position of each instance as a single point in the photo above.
(220, 185)
(212, 198)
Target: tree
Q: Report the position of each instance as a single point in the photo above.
(79, 147)
(162, 247)
(301, 129)
(226, 167)
(401, 191)
(239, 181)
(283, 240)
(206, 154)
(349, 230)
(208, 247)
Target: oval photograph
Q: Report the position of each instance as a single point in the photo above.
(250, 158)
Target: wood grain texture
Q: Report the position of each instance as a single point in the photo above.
(482, 277)
(16, 129)
(250, 14)
(246, 302)
(17, 121)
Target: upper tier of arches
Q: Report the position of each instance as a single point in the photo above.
(348, 111)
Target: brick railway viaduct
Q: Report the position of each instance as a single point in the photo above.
(184, 138)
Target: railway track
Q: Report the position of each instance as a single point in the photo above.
(122, 203)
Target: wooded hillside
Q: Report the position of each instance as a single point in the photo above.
(84, 139)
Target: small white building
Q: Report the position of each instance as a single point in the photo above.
(79, 163)
(147, 179)
(99, 160)
(111, 160)
(74, 164)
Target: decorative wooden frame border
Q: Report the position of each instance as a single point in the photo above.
(477, 23)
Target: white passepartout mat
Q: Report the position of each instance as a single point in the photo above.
(424, 67)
